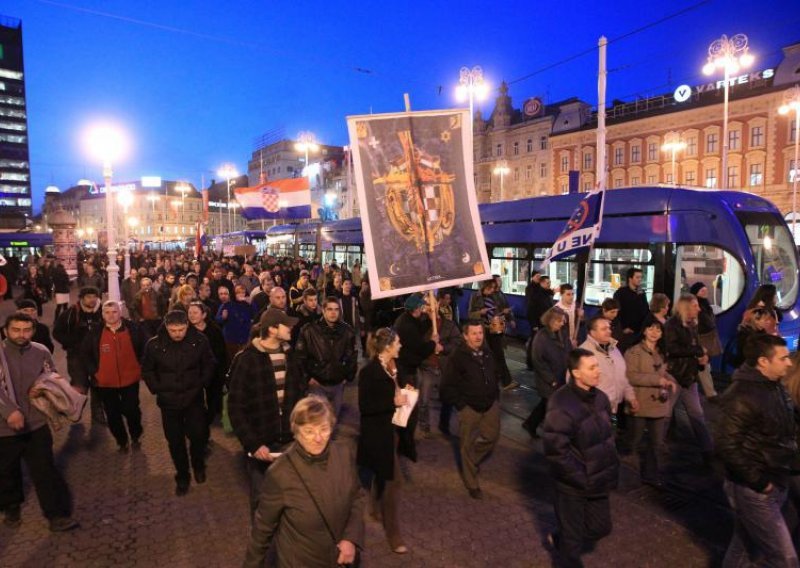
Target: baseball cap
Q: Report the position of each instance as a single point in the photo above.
(273, 317)
(413, 302)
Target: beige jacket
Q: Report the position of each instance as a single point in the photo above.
(54, 397)
(645, 369)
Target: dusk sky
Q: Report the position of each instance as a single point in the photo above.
(195, 82)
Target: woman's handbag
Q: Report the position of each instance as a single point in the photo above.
(711, 343)
(357, 560)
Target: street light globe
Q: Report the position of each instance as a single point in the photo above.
(227, 171)
(125, 198)
(106, 142)
(747, 59)
(709, 68)
(461, 93)
(784, 109)
(89, 230)
(481, 91)
(133, 222)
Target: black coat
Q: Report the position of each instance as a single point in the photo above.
(469, 379)
(756, 431)
(327, 353)
(177, 371)
(415, 348)
(539, 300)
(73, 325)
(217, 342)
(682, 346)
(550, 357)
(253, 404)
(633, 308)
(376, 445)
(579, 441)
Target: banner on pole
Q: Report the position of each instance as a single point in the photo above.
(276, 199)
(414, 180)
(581, 230)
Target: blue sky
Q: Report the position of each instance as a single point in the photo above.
(195, 82)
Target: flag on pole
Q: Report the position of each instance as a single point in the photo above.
(200, 239)
(581, 230)
(276, 199)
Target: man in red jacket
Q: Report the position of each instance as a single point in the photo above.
(113, 353)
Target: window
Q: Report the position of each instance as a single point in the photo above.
(498, 150)
(733, 140)
(690, 177)
(618, 182)
(516, 174)
(733, 177)
(636, 154)
(756, 177)
(587, 161)
(564, 189)
(13, 138)
(652, 151)
(559, 271)
(691, 146)
(587, 186)
(716, 268)
(543, 169)
(607, 269)
(669, 178)
(18, 126)
(793, 172)
(635, 180)
(528, 172)
(543, 143)
(711, 177)
(774, 254)
(9, 100)
(756, 136)
(10, 176)
(14, 113)
(618, 158)
(529, 146)
(513, 266)
(711, 143)
(9, 74)
(516, 148)
(652, 180)
(564, 164)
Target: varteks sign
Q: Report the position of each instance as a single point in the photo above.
(684, 92)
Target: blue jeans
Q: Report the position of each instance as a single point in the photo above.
(689, 398)
(427, 378)
(760, 531)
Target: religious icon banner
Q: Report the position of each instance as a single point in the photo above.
(414, 177)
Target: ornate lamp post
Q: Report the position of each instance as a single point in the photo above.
(471, 86)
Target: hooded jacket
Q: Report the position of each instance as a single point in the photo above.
(177, 371)
(756, 431)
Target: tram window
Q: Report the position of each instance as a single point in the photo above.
(774, 254)
(720, 271)
(513, 266)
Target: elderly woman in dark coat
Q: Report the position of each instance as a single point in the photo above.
(311, 503)
(549, 355)
(378, 396)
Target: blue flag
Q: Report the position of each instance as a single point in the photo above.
(581, 230)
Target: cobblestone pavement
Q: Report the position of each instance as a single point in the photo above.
(130, 517)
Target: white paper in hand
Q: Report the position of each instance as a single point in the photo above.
(402, 413)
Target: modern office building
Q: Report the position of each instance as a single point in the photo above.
(15, 175)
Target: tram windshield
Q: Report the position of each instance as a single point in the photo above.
(774, 254)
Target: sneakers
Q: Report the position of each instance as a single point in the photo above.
(62, 524)
(13, 517)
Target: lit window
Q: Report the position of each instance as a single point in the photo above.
(793, 171)
(711, 178)
(19, 126)
(756, 176)
(9, 100)
(9, 74)
(690, 177)
(11, 176)
(13, 138)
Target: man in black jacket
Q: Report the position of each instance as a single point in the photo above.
(756, 441)
(70, 329)
(263, 391)
(326, 349)
(177, 365)
(633, 306)
(469, 383)
(539, 299)
(41, 333)
(579, 447)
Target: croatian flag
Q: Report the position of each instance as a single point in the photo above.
(278, 199)
(200, 240)
(581, 230)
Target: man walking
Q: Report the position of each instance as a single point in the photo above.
(262, 394)
(470, 384)
(70, 330)
(112, 354)
(147, 307)
(756, 441)
(579, 447)
(633, 306)
(177, 365)
(24, 433)
(326, 349)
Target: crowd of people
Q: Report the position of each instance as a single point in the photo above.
(265, 347)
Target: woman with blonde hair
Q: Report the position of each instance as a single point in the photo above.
(685, 358)
(183, 297)
(378, 397)
(659, 307)
(311, 503)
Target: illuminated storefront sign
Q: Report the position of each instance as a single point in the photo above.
(684, 92)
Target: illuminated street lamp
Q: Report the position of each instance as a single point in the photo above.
(673, 144)
(227, 171)
(125, 199)
(306, 142)
(108, 143)
(471, 86)
(729, 54)
(791, 102)
(502, 170)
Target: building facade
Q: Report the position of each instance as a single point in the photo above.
(15, 176)
(760, 140)
(223, 213)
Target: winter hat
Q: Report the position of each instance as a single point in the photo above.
(696, 287)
